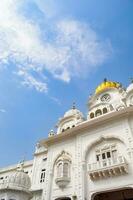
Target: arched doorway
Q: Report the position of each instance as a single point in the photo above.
(123, 194)
(63, 198)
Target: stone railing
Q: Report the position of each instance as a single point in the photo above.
(107, 167)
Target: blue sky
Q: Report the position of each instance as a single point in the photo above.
(52, 53)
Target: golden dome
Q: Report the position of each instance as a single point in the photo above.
(105, 85)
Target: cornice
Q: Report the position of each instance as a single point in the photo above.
(14, 167)
(41, 153)
(87, 125)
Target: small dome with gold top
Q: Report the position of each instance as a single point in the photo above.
(106, 85)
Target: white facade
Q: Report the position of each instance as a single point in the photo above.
(85, 159)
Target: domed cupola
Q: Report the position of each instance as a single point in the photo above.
(18, 181)
(108, 96)
(105, 85)
(70, 119)
(129, 96)
(16, 186)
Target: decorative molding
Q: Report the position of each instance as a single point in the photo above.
(100, 140)
(62, 155)
(108, 168)
(88, 125)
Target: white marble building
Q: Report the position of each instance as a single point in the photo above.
(88, 158)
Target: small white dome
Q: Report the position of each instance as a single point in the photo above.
(20, 179)
(73, 112)
(130, 87)
(71, 118)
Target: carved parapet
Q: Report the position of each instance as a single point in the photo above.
(108, 168)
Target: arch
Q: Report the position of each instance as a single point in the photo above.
(98, 141)
(62, 167)
(62, 170)
(68, 127)
(113, 190)
(61, 155)
(13, 197)
(63, 198)
(98, 113)
(66, 169)
(111, 107)
(91, 115)
(105, 110)
(59, 170)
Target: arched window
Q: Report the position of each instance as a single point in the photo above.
(63, 166)
(63, 198)
(59, 170)
(68, 127)
(91, 115)
(65, 169)
(98, 113)
(105, 110)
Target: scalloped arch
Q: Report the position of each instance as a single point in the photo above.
(63, 153)
(98, 141)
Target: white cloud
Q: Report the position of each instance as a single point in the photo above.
(73, 50)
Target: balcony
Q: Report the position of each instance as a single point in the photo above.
(108, 168)
(62, 181)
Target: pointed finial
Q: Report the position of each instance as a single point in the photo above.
(105, 80)
(21, 166)
(74, 105)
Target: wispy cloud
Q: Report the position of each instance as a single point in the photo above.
(48, 7)
(32, 82)
(73, 50)
(2, 111)
(56, 100)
